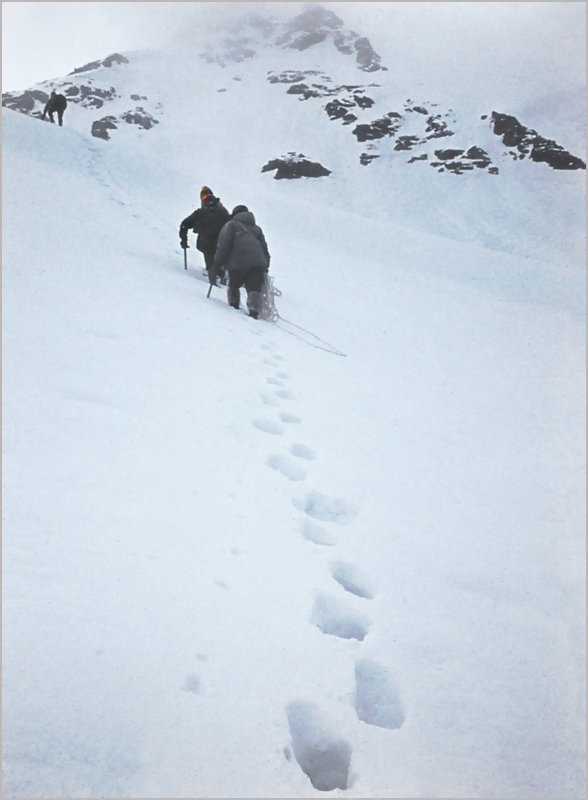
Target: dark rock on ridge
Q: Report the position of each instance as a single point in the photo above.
(366, 158)
(91, 96)
(378, 128)
(88, 96)
(529, 143)
(347, 97)
(310, 28)
(318, 24)
(306, 40)
(350, 101)
(339, 109)
(139, 117)
(100, 127)
(109, 61)
(406, 142)
(436, 128)
(295, 166)
(367, 58)
(25, 102)
(458, 161)
(445, 155)
(304, 90)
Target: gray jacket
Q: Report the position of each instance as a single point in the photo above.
(241, 244)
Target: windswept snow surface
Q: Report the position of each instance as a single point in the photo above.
(240, 564)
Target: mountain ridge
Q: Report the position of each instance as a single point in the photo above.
(423, 130)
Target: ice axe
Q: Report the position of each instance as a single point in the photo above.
(211, 285)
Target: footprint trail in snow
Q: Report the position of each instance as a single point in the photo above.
(323, 755)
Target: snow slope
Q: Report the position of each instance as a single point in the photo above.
(240, 564)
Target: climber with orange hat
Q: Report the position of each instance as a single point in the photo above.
(205, 192)
(207, 222)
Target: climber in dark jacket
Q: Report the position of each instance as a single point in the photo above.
(56, 102)
(242, 251)
(207, 223)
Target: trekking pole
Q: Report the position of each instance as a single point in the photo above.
(185, 258)
(209, 289)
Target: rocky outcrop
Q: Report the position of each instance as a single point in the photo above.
(367, 158)
(101, 127)
(424, 124)
(527, 143)
(142, 119)
(25, 102)
(436, 128)
(378, 128)
(295, 166)
(88, 95)
(315, 26)
(460, 161)
(108, 62)
(347, 97)
(139, 117)
(339, 109)
(367, 58)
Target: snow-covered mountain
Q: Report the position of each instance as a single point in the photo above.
(424, 129)
(333, 108)
(341, 553)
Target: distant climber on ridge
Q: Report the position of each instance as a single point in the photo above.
(242, 250)
(56, 102)
(207, 222)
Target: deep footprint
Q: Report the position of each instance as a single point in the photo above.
(321, 754)
(292, 419)
(268, 426)
(302, 451)
(338, 619)
(288, 468)
(285, 394)
(314, 533)
(377, 700)
(326, 509)
(352, 579)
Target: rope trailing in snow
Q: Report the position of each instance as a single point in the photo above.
(270, 313)
(328, 348)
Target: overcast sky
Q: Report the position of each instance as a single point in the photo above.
(46, 40)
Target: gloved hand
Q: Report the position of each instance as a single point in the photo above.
(184, 245)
